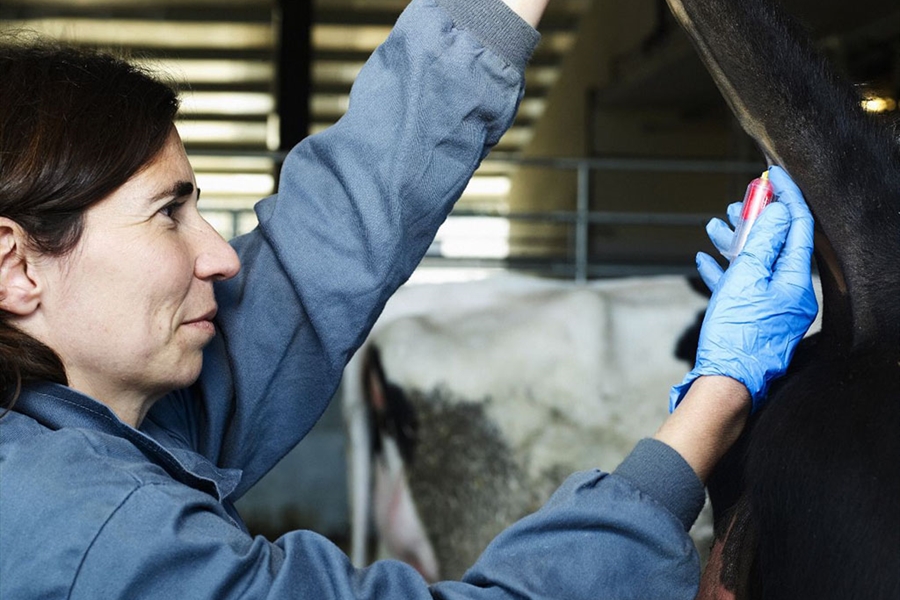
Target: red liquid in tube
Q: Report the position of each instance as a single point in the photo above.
(759, 195)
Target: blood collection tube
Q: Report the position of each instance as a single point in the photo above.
(759, 195)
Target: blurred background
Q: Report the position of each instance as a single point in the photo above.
(621, 151)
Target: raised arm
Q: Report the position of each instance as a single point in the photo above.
(708, 421)
(356, 209)
(760, 309)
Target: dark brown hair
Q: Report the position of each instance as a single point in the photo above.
(74, 126)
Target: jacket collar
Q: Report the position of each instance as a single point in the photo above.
(57, 406)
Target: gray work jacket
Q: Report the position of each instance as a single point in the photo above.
(91, 508)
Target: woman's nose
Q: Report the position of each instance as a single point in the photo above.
(215, 258)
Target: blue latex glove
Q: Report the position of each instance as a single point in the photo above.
(763, 304)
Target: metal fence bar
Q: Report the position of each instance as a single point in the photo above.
(581, 223)
(560, 217)
(570, 163)
(632, 164)
(582, 217)
(594, 217)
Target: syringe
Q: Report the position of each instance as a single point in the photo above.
(759, 194)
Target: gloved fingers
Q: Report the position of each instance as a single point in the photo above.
(720, 235)
(794, 264)
(709, 270)
(764, 244)
(785, 188)
(787, 192)
(734, 213)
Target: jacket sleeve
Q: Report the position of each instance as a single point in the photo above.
(356, 209)
(620, 535)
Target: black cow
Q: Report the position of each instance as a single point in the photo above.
(808, 503)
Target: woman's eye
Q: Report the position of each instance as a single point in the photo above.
(171, 210)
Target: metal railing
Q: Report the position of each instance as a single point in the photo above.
(581, 218)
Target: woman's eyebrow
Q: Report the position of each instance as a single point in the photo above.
(178, 190)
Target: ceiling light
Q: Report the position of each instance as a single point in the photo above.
(879, 104)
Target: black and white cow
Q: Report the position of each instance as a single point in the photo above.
(807, 505)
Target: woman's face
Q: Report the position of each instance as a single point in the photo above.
(130, 309)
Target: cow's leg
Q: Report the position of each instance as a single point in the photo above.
(397, 522)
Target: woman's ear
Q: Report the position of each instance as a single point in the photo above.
(20, 293)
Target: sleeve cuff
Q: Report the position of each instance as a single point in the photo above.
(661, 473)
(497, 26)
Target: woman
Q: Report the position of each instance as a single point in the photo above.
(153, 373)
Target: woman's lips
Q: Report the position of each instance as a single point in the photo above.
(204, 323)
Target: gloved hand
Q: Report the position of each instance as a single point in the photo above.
(764, 302)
